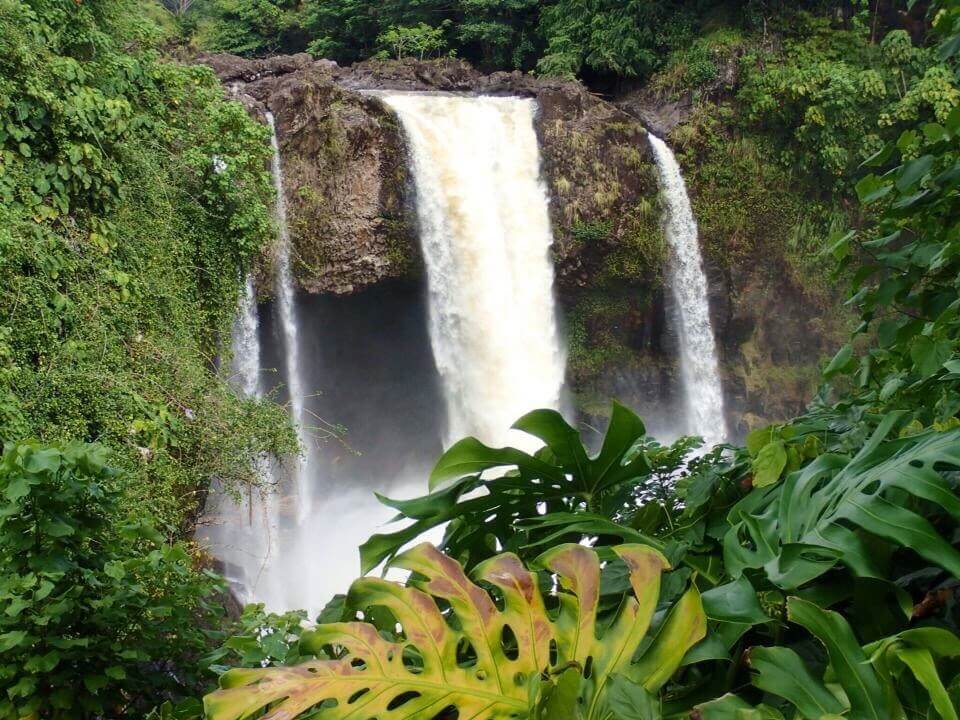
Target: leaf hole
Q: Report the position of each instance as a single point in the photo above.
(450, 616)
(450, 712)
(508, 643)
(357, 695)
(497, 596)
(819, 486)
(412, 659)
(402, 699)
(466, 653)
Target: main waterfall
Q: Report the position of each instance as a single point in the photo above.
(698, 351)
(485, 234)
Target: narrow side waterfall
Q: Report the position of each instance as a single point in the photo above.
(264, 539)
(246, 343)
(243, 535)
(486, 237)
(698, 352)
(288, 321)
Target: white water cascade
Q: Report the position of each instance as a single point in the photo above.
(698, 351)
(288, 322)
(486, 237)
(263, 540)
(244, 534)
(485, 234)
(246, 343)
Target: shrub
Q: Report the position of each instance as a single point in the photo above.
(98, 612)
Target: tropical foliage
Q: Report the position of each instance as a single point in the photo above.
(560, 37)
(531, 501)
(811, 573)
(420, 41)
(897, 676)
(836, 98)
(100, 614)
(824, 550)
(132, 195)
(514, 654)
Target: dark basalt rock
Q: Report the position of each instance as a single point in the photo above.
(348, 193)
(353, 225)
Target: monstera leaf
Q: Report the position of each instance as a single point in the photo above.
(506, 653)
(517, 487)
(799, 529)
(876, 682)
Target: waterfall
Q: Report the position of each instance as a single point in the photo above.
(486, 237)
(264, 546)
(243, 534)
(698, 351)
(246, 343)
(485, 233)
(288, 322)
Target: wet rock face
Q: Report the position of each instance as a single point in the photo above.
(772, 332)
(344, 167)
(349, 195)
(353, 225)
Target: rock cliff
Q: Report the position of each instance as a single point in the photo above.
(348, 193)
(353, 225)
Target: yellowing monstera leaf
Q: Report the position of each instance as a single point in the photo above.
(485, 655)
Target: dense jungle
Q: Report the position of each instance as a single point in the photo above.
(480, 359)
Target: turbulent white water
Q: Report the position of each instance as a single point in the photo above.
(286, 305)
(485, 233)
(698, 350)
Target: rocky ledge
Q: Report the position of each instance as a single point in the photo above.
(353, 225)
(345, 171)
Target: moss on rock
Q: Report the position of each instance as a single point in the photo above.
(761, 231)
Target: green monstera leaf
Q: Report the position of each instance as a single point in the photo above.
(580, 492)
(507, 651)
(876, 682)
(801, 528)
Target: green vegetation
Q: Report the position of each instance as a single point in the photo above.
(838, 97)
(132, 197)
(603, 38)
(497, 662)
(809, 574)
(101, 615)
(812, 552)
(420, 41)
(244, 27)
(782, 111)
(822, 554)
